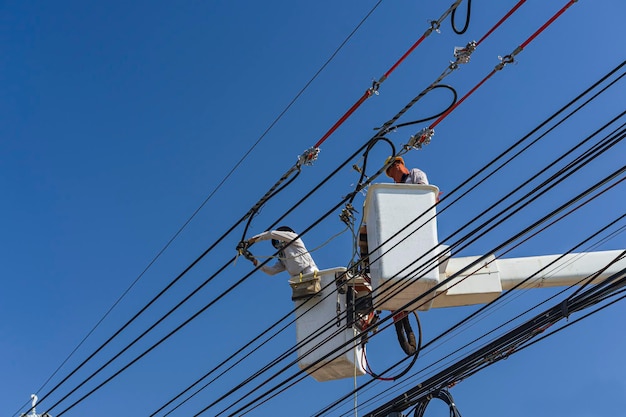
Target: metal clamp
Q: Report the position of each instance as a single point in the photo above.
(507, 59)
(347, 214)
(462, 54)
(421, 138)
(434, 25)
(309, 156)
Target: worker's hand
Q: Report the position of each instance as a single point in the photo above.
(249, 256)
(251, 241)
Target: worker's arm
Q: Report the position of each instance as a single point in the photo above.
(273, 234)
(273, 269)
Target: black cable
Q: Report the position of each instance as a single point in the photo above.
(376, 138)
(200, 311)
(568, 106)
(503, 296)
(206, 282)
(370, 145)
(443, 395)
(581, 195)
(254, 211)
(409, 345)
(406, 337)
(473, 177)
(141, 311)
(476, 361)
(186, 223)
(479, 260)
(454, 98)
(482, 229)
(367, 144)
(519, 142)
(467, 19)
(499, 299)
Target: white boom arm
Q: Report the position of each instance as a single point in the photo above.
(485, 281)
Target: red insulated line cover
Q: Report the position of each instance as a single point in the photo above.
(506, 16)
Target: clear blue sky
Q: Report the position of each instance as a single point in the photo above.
(119, 119)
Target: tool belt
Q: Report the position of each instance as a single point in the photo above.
(305, 286)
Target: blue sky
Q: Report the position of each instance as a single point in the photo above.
(119, 121)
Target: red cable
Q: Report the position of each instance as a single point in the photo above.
(517, 50)
(369, 92)
(407, 53)
(443, 116)
(352, 109)
(506, 16)
(545, 25)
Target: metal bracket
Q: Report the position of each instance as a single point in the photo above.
(462, 54)
(421, 138)
(309, 156)
(347, 215)
(508, 59)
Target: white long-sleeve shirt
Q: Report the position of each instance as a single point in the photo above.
(416, 176)
(295, 258)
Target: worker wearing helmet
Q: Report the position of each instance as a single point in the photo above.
(293, 258)
(401, 174)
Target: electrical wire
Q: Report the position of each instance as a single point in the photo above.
(520, 284)
(572, 102)
(497, 300)
(211, 194)
(467, 19)
(417, 347)
(501, 348)
(508, 59)
(538, 191)
(561, 110)
(532, 277)
(311, 154)
(504, 244)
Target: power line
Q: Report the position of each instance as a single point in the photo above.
(503, 347)
(537, 191)
(212, 193)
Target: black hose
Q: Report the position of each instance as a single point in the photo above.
(443, 395)
(405, 334)
(369, 147)
(467, 19)
(254, 211)
(436, 115)
(415, 352)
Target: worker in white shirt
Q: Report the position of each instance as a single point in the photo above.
(293, 258)
(402, 175)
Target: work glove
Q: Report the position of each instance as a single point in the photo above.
(242, 248)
